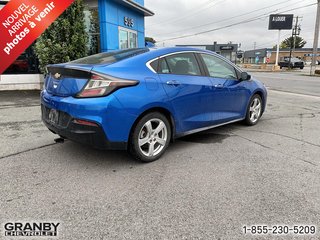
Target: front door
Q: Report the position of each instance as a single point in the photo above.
(228, 98)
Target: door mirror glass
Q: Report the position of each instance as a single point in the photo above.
(245, 76)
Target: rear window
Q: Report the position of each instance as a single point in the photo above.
(111, 57)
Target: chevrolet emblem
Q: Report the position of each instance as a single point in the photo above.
(57, 75)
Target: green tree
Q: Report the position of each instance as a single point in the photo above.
(65, 40)
(289, 42)
(150, 39)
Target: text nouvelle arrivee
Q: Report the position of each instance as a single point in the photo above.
(19, 23)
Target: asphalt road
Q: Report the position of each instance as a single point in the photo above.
(207, 186)
(296, 81)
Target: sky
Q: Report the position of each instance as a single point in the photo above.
(180, 18)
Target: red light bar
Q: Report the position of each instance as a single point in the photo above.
(84, 122)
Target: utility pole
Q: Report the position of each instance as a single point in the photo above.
(315, 42)
(278, 49)
(295, 31)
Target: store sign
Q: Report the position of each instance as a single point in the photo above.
(269, 54)
(280, 22)
(227, 48)
(22, 22)
(128, 22)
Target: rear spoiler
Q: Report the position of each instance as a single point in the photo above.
(59, 72)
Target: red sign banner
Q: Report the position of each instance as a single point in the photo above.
(22, 22)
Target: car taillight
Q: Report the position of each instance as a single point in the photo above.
(99, 86)
(84, 122)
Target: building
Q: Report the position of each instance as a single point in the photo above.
(228, 50)
(120, 23)
(268, 55)
(111, 25)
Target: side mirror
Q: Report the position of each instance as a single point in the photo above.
(245, 76)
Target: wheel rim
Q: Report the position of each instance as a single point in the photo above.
(255, 110)
(152, 137)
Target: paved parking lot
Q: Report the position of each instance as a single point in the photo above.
(207, 186)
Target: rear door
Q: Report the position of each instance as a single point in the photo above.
(229, 95)
(187, 88)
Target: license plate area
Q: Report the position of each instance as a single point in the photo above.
(53, 116)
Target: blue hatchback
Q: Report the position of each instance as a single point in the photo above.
(141, 99)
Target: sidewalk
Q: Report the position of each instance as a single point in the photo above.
(19, 98)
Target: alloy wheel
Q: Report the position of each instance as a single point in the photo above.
(152, 137)
(255, 110)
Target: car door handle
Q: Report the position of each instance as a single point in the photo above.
(218, 86)
(174, 83)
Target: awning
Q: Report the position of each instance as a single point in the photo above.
(136, 7)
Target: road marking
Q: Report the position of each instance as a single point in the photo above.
(293, 94)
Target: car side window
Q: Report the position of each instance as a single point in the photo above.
(218, 68)
(163, 68)
(154, 65)
(181, 64)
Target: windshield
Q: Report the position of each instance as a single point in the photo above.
(111, 57)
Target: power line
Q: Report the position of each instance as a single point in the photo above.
(226, 19)
(284, 36)
(234, 24)
(202, 7)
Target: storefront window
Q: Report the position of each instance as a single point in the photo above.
(123, 39)
(133, 39)
(93, 29)
(26, 63)
(127, 38)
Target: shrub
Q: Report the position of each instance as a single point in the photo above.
(65, 40)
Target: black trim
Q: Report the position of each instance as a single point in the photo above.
(207, 128)
(203, 64)
(165, 59)
(69, 72)
(89, 135)
(200, 65)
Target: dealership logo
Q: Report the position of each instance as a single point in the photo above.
(31, 229)
(129, 22)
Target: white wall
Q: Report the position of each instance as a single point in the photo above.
(21, 82)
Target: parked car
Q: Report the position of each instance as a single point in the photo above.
(20, 65)
(294, 63)
(141, 99)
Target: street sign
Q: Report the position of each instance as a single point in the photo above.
(280, 21)
(269, 53)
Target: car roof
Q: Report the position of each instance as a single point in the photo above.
(168, 50)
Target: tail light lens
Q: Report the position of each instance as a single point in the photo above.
(99, 86)
(84, 122)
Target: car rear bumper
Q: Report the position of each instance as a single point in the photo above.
(107, 112)
(89, 135)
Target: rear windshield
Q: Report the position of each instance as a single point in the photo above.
(111, 57)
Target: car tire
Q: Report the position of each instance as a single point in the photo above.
(254, 110)
(301, 67)
(150, 137)
(280, 67)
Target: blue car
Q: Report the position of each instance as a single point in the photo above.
(141, 99)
